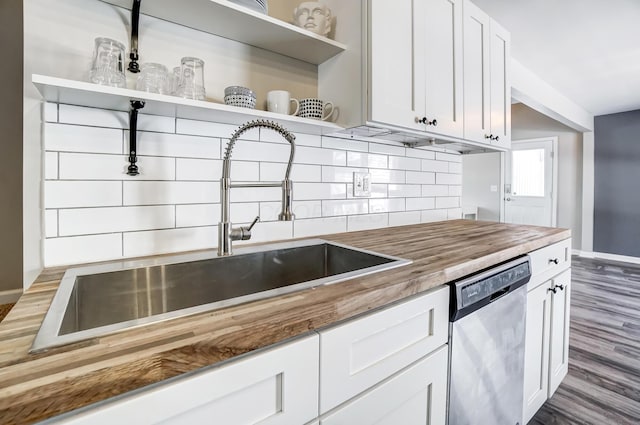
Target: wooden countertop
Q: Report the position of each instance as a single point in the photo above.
(34, 387)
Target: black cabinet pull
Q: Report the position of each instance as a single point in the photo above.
(554, 290)
(554, 261)
(560, 287)
(433, 123)
(490, 136)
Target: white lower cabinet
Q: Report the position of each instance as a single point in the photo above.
(276, 387)
(547, 341)
(415, 396)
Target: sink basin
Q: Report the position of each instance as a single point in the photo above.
(97, 300)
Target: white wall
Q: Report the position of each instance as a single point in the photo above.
(481, 173)
(530, 124)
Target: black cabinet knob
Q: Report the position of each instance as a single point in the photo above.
(433, 123)
(554, 261)
(422, 120)
(554, 290)
(496, 138)
(560, 287)
(489, 136)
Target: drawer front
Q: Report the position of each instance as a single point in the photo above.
(416, 396)
(359, 354)
(549, 261)
(279, 386)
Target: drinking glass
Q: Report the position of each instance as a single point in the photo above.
(191, 79)
(108, 63)
(154, 78)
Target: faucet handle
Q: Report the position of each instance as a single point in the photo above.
(257, 219)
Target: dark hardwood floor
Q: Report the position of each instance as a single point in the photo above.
(603, 384)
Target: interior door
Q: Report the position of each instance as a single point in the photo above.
(529, 186)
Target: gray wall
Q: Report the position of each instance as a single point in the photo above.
(481, 171)
(11, 141)
(529, 124)
(616, 228)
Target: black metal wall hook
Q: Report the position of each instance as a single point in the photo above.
(135, 20)
(136, 105)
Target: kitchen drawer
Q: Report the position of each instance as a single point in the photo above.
(415, 396)
(549, 261)
(358, 354)
(275, 387)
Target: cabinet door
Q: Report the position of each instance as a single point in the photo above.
(559, 345)
(500, 86)
(361, 353)
(416, 396)
(278, 386)
(477, 106)
(396, 63)
(442, 29)
(536, 359)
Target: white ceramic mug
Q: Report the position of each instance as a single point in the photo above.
(315, 109)
(279, 101)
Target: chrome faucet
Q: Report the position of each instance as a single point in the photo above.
(226, 233)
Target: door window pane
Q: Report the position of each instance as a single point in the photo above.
(528, 172)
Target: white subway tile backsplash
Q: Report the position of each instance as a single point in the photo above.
(82, 249)
(320, 156)
(51, 223)
(421, 203)
(245, 150)
(176, 145)
(207, 129)
(346, 207)
(455, 190)
(340, 174)
(95, 117)
(319, 226)
(418, 177)
(172, 240)
(404, 218)
(440, 156)
(404, 191)
(442, 178)
(51, 165)
(274, 172)
(403, 163)
(50, 112)
(454, 213)
(86, 221)
(435, 190)
(317, 191)
(455, 167)
(74, 194)
(344, 144)
(387, 149)
(173, 205)
(359, 159)
(387, 176)
(367, 222)
(80, 166)
(158, 193)
(386, 205)
(74, 138)
(420, 153)
(433, 215)
(433, 165)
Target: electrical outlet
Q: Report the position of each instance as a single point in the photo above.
(361, 185)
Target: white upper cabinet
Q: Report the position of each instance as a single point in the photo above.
(415, 72)
(487, 88)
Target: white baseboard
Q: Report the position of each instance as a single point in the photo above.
(605, 256)
(9, 297)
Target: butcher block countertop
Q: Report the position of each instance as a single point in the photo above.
(38, 386)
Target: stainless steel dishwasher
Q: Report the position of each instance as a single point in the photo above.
(486, 346)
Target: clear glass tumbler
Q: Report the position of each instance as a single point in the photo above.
(154, 78)
(108, 63)
(191, 79)
(175, 80)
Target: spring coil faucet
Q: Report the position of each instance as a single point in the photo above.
(226, 233)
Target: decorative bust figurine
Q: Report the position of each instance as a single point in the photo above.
(313, 16)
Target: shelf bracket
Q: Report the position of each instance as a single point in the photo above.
(135, 20)
(136, 105)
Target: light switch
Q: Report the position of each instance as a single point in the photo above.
(361, 185)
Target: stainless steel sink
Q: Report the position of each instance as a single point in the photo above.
(97, 300)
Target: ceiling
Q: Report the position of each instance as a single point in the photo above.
(588, 50)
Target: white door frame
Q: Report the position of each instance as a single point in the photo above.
(554, 178)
